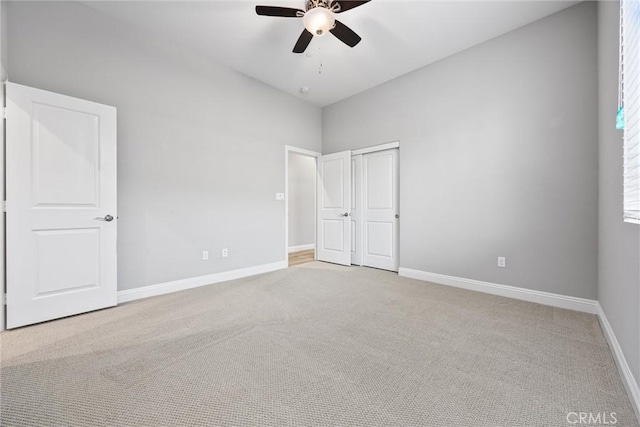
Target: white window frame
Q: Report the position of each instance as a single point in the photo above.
(630, 96)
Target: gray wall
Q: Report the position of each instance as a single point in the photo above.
(618, 242)
(302, 200)
(498, 156)
(200, 147)
(3, 41)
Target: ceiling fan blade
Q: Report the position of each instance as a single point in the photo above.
(345, 34)
(349, 4)
(286, 12)
(303, 41)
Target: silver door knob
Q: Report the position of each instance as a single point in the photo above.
(345, 214)
(397, 216)
(107, 218)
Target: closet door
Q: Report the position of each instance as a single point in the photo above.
(380, 224)
(356, 209)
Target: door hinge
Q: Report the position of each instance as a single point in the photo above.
(4, 113)
(4, 206)
(4, 298)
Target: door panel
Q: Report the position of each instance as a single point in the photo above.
(67, 259)
(333, 174)
(380, 239)
(334, 193)
(333, 235)
(61, 183)
(380, 188)
(69, 138)
(380, 181)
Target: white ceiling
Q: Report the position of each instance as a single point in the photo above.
(398, 36)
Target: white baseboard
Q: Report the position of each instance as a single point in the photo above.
(546, 298)
(195, 282)
(301, 248)
(625, 372)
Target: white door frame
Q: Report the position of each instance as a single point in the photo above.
(295, 150)
(374, 148)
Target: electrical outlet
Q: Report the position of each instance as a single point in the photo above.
(205, 255)
(225, 253)
(502, 262)
(279, 196)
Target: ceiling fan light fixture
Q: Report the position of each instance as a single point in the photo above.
(318, 21)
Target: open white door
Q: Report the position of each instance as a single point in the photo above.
(334, 200)
(356, 209)
(61, 206)
(380, 187)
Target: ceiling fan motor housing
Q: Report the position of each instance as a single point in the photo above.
(327, 4)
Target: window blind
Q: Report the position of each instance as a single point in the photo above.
(630, 88)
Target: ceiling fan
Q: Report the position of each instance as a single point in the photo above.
(318, 18)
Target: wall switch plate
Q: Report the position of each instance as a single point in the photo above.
(225, 253)
(502, 262)
(279, 196)
(205, 255)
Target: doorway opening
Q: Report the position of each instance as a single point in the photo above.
(300, 197)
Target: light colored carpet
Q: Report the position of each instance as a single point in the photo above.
(313, 345)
